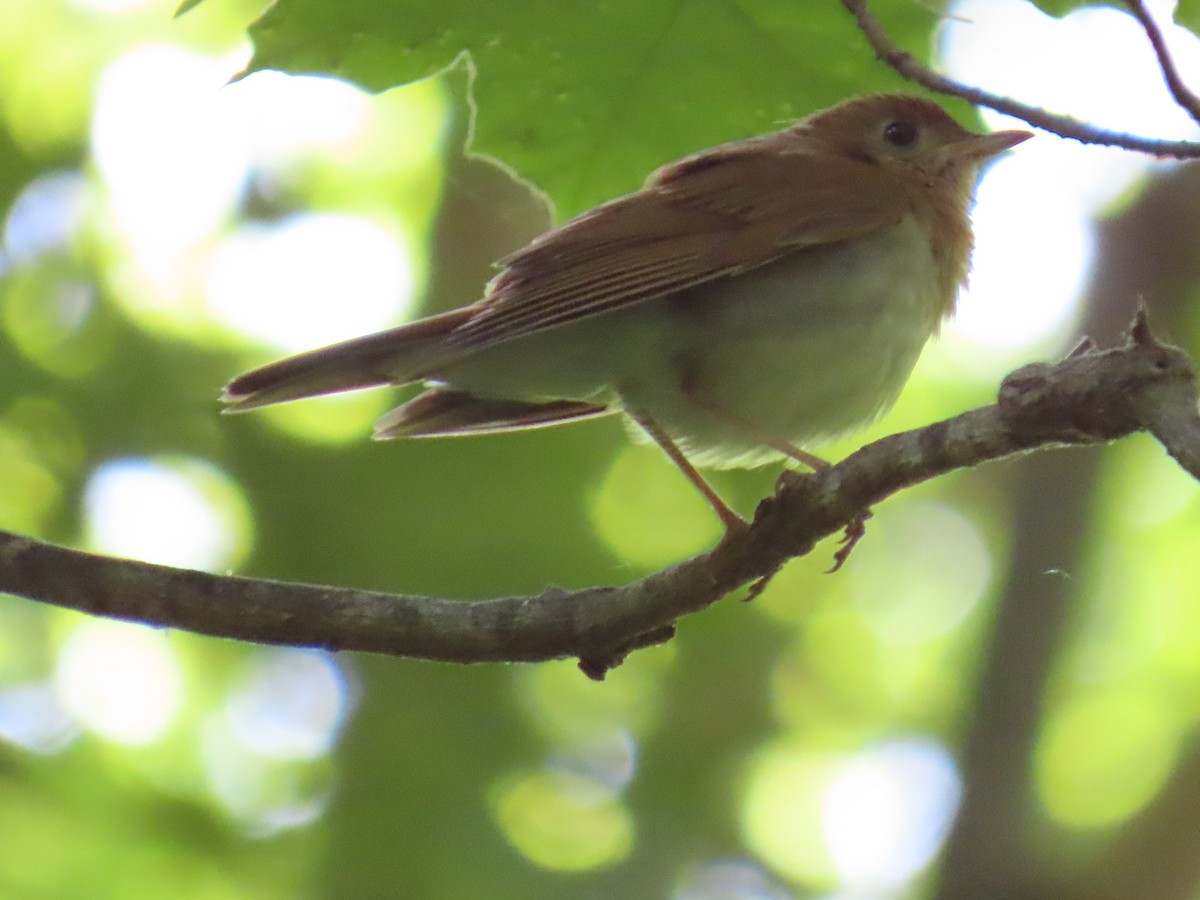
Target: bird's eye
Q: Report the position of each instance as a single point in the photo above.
(900, 134)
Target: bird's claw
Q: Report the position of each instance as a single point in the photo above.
(856, 529)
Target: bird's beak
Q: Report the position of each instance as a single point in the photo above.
(980, 147)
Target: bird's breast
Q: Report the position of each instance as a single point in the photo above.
(810, 347)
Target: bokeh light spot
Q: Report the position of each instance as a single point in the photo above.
(331, 420)
(119, 680)
(47, 65)
(45, 217)
(266, 794)
(780, 813)
(290, 704)
(569, 709)
(310, 280)
(54, 320)
(1089, 782)
(162, 141)
(1144, 490)
(41, 421)
(648, 513)
(32, 717)
(31, 491)
(267, 751)
(831, 678)
(563, 822)
(998, 312)
(173, 511)
(887, 811)
(896, 595)
(609, 759)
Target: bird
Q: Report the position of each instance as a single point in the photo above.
(749, 301)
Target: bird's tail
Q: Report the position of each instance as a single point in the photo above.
(397, 356)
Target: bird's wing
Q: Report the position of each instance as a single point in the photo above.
(711, 215)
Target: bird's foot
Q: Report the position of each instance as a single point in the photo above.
(855, 531)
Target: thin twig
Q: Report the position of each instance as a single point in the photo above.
(1183, 95)
(1065, 126)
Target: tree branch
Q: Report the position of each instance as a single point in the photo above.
(1086, 398)
(1184, 96)
(1065, 126)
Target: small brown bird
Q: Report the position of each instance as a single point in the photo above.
(748, 300)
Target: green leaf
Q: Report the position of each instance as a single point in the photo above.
(586, 99)
(1187, 14)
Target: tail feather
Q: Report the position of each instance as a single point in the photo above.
(396, 356)
(440, 412)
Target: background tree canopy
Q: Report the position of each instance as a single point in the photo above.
(997, 696)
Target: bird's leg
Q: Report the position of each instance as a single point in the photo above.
(730, 519)
(752, 430)
(855, 529)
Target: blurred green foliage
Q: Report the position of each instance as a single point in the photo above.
(444, 782)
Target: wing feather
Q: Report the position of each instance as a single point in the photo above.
(718, 213)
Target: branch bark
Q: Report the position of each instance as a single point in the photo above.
(1087, 398)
